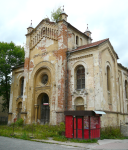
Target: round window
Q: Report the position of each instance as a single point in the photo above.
(45, 79)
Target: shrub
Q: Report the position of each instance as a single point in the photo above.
(111, 133)
(19, 122)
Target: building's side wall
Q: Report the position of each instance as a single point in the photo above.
(15, 96)
(115, 110)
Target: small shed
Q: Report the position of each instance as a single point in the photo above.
(82, 124)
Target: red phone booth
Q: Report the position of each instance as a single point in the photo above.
(82, 124)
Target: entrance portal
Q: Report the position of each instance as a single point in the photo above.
(45, 110)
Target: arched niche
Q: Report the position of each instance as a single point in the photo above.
(79, 103)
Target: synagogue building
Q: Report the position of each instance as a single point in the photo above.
(65, 70)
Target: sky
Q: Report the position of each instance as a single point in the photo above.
(105, 19)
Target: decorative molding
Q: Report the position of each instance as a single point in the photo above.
(80, 93)
(77, 58)
(42, 88)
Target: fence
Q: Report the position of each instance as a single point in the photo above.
(3, 120)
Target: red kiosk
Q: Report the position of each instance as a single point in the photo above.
(82, 124)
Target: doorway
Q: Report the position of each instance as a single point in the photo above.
(45, 110)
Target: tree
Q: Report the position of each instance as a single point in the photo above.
(10, 56)
(55, 15)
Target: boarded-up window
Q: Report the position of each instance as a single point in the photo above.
(109, 84)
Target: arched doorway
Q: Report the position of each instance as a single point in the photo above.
(19, 110)
(44, 109)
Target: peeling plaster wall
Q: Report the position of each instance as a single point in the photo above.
(88, 94)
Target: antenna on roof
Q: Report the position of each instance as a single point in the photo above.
(63, 8)
(87, 26)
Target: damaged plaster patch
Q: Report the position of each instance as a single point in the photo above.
(26, 48)
(49, 42)
(46, 58)
(52, 62)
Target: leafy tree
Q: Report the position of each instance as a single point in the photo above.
(10, 56)
(55, 15)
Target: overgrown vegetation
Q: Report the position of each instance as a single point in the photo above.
(26, 132)
(111, 133)
(55, 15)
(19, 130)
(19, 122)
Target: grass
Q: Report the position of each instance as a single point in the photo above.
(19, 130)
(26, 132)
(111, 133)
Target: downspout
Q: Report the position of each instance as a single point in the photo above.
(66, 87)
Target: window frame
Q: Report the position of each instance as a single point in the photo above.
(80, 78)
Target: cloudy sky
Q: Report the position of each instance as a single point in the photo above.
(106, 19)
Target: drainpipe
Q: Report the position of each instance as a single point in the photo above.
(66, 87)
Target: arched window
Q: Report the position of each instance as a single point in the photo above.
(77, 40)
(126, 89)
(80, 77)
(109, 84)
(21, 86)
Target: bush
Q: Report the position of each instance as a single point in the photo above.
(19, 122)
(111, 133)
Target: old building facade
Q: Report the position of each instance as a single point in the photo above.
(64, 70)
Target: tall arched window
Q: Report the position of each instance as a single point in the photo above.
(21, 86)
(80, 77)
(77, 40)
(109, 84)
(126, 89)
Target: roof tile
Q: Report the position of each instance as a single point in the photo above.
(90, 45)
